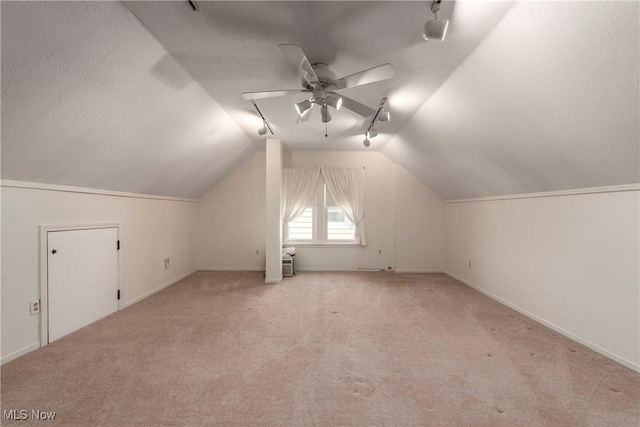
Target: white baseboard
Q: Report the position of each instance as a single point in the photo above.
(552, 326)
(340, 269)
(257, 269)
(158, 289)
(21, 352)
(413, 270)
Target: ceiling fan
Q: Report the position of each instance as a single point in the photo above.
(321, 83)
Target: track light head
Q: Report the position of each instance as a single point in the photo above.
(372, 133)
(366, 142)
(436, 29)
(263, 129)
(303, 106)
(384, 116)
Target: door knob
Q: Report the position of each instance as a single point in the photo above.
(53, 251)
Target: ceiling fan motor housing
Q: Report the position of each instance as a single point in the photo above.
(324, 74)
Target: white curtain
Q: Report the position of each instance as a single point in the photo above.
(346, 186)
(298, 188)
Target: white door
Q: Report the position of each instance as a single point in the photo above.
(83, 278)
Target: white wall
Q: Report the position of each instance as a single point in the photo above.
(379, 198)
(151, 230)
(273, 212)
(419, 225)
(569, 261)
(231, 220)
(403, 216)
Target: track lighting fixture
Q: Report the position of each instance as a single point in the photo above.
(303, 106)
(194, 5)
(265, 126)
(382, 115)
(436, 29)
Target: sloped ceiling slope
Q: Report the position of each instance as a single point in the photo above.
(548, 101)
(231, 47)
(145, 97)
(80, 106)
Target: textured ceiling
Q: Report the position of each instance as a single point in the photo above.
(548, 101)
(146, 97)
(81, 107)
(232, 47)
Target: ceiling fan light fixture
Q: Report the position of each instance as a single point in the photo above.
(319, 80)
(435, 29)
(326, 117)
(334, 100)
(303, 106)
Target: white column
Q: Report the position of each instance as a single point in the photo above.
(273, 239)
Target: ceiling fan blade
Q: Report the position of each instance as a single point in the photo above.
(372, 75)
(250, 96)
(296, 56)
(357, 107)
(305, 116)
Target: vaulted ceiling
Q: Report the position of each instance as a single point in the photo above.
(146, 96)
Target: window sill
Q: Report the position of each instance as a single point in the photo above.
(321, 245)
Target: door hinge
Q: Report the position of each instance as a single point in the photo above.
(118, 293)
(118, 244)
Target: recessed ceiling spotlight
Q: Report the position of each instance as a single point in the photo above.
(436, 29)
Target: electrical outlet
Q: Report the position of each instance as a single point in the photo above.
(167, 262)
(34, 307)
(389, 268)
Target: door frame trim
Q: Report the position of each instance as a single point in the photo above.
(44, 268)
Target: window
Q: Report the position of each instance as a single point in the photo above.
(338, 227)
(301, 229)
(328, 225)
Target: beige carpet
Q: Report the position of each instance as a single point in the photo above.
(320, 349)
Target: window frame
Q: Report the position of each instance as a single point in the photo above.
(320, 225)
